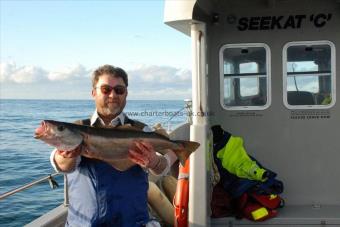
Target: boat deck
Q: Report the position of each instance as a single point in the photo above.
(292, 216)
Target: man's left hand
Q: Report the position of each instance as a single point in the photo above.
(144, 155)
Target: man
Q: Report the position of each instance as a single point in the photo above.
(100, 194)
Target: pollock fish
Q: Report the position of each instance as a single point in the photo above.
(111, 144)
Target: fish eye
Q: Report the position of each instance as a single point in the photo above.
(60, 128)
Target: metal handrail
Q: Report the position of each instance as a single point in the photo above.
(168, 121)
(52, 182)
(187, 107)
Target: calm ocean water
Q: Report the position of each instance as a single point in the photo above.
(24, 159)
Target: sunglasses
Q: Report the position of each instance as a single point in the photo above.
(107, 89)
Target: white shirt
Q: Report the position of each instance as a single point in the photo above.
(119, 119)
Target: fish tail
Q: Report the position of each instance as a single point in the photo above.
(185, 149)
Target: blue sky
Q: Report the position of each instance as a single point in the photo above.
(48, 49)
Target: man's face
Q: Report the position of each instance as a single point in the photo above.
(110, 104)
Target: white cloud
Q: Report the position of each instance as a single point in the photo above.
(25, 74)
(156, 94)
(69, 73)
(28, 74)
(160, 75)
(10, 72)
(145, 82)
(159, 82)
(6, 69)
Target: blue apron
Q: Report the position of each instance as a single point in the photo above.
(100, 195)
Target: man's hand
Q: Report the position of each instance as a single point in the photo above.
(80, 150)
(66, 160)
(144, 155)
(71, 154)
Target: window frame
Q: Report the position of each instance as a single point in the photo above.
(268, 75)
(285, 74)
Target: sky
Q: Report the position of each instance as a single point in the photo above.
(48, 49)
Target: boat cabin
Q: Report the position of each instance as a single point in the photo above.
(266, 70)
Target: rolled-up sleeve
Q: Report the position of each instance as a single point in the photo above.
(54, 165)
(170, 159)
(170, 156)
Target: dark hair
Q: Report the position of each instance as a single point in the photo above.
(110, 70)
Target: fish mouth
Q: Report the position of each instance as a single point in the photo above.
(40, 132)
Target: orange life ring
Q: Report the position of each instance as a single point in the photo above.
(181, 198)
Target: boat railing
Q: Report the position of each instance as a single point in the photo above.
(187, 107)
(50, 178)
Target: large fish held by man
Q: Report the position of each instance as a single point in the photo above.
(110, 144)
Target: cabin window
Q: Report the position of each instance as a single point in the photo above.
(245, 76)
(309, 74)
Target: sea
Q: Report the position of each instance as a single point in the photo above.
(24, 159)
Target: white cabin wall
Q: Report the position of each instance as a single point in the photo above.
(304, 153)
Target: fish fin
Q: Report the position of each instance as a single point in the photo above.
(186, 148)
